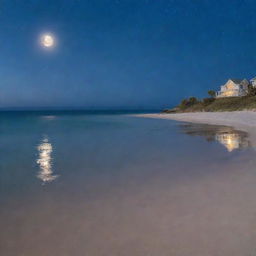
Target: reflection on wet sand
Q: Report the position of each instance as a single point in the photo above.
(231, 141)
(230, 138)
(45, 161)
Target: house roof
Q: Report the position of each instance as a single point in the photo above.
(236, 81)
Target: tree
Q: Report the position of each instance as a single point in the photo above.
(251, 91)
(192, 100)
(212, 93)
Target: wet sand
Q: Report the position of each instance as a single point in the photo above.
(242, 120)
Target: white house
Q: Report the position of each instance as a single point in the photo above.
(234, 88)
(253, 82)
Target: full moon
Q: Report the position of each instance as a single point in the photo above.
(47, 40)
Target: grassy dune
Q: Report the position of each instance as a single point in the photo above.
(218, 105)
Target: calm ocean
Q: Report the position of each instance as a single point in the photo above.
(108, 184)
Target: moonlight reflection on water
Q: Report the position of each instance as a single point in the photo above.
(45, 161)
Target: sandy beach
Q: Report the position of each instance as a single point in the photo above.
(242, 120)
(123, 185)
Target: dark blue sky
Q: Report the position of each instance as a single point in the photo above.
(122, 53)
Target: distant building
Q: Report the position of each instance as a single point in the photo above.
(253, 82)
(234, 88)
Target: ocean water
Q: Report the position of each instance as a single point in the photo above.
(114, 184)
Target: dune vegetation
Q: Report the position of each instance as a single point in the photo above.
(213, 104)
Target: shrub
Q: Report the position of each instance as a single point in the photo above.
(192, 101)
(208, 101)
(212, 93)
(188, 102)
(251, 91)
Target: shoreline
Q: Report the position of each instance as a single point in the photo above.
(241, 120)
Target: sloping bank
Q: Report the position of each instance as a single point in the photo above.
(242, 120)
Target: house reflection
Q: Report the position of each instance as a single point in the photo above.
(231, 141)
(45, 161)
(230, 138)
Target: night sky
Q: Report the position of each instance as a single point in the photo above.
(122, 53)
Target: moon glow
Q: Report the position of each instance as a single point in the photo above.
(47, 41)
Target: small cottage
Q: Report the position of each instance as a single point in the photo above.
(234, 88)
(253, 82)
